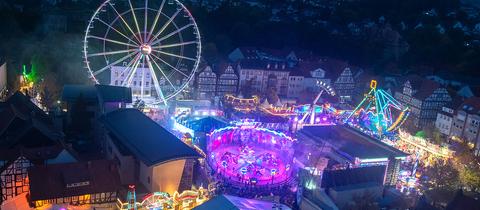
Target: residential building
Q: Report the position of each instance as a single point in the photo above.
(206, 83)
(148, 154)
(91, 182)
(118, 77)
(260, 75)
(227, 82)
(27, 137)
(466, 123)
(425, 98)
(445, 116)
(344, 85)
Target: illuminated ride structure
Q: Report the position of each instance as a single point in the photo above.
(317, 114)
(378, 113)
(151, 46)
(186, 200)
(246, 153)
(242, 104)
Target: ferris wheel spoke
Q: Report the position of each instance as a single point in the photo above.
(159, 11)
(165, 26)
(114, 29)
(163, 73)
(129, 65)
(145, 22)
(124, 22)
(175, 55)
(112, 52)
(155, 81)
(174, 45)
(131, 73)
(169, 65)
(135, 20)
(171, 34)
(112, 64)
(112, 41)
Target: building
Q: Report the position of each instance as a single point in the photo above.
(466, 123)
(445, 117)
(148, 154)
(425, 98)
(119, 77)
(344, 85)
(206, 83)
(261, 75)
(98, 100)
(227, 82)
(91, 182)
(355, 149)
(27, 137)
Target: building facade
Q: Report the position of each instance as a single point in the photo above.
(444, 120)
(119, 77)
(425, 98)
(227, 82)
(466, 123)
(151, 156)
(206, 83)
(261, 75)
(344, 85)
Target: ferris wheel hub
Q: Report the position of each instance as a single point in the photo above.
(145, 49)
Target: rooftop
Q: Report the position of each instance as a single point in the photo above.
(229, 202)
(72, 179)
(144, 138)
(352, 143)
(90, 93)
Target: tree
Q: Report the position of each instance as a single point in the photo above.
(49, 90)
(441, 176)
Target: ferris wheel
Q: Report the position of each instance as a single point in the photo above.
(153, 47)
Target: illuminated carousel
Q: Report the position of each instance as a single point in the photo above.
(247, 154)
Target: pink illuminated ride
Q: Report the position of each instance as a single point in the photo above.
(247, 154)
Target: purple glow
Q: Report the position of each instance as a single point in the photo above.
(251, 154)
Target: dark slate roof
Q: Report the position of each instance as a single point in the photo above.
(148, 141)
(24, 124)
(352, 143)
(340, 179)
(49, 181)
(264, 65)
(72, 92)
(110, 93)
(229, 202)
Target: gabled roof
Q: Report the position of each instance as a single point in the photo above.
(471, 105)
(229, 202)
(50, 181)
(146, 140)
(19, 117)
(264, 65)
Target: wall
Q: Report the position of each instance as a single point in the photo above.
(126, 167)
(163, 178)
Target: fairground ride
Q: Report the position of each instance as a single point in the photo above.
(153, 47)
(311, 116)
(378, 112)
